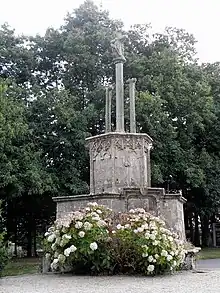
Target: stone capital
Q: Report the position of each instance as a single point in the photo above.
(131, 80)
(119, 60)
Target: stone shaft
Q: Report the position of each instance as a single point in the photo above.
(119, 96)
(132, 82)
(108, 105)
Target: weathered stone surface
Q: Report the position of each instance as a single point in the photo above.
(131, 83)
(119, 160)
(171, 209)
(168, 207)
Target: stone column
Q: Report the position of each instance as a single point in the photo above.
(108, 105)
(132, 82)
(119, 95)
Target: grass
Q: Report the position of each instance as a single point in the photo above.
(22, 266)
(209, 253)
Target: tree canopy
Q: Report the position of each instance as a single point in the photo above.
(52, 98)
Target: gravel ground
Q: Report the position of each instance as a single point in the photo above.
(185, 282)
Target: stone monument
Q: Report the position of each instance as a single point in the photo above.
(120, 173)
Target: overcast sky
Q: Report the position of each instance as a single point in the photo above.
(200, 17)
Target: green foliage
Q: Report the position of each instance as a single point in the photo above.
(3, 250)
(52, 97)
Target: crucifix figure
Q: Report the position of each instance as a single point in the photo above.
(118, 47)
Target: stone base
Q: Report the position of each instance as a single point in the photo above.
(191, 258)
(154, 200)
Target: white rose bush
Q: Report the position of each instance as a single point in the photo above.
(94, 240)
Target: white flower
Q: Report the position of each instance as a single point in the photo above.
(174, 263)
(145, 247)
(64, 229)
(92, 204)
(56, 254)
(47, 255)
(58, 240)
(51, 229)
(54, 264)
(66, 224)
(152, 225)
(113, 232)
(53, 246)
(73, 248)
(172, 253)
(62, 243)
(81, 234)
(93, 246)
(51, 238)
(94, 214)
(147, 235)
(145, 254)
(140, 229)
(67, 251)
(66, 238)
(57, 232)
(132, 211)
(152, 236)
(46, 234)
(78, 216)
(87, 226)
(127, 226)
(55, 260)
(164, 253)
(99, 211)
(150, 268)
(61, 258)
(78, 225)
(145, 226)
(150, 258)
(119, 226)
(135, 231)
(88, 209)
(169, 257)
(156, 256)
(101, 223)
(155, 242)
(96, 218)
(170, 238)
(164, 237)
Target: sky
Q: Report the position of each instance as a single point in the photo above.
(199, 17)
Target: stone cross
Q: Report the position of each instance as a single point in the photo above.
(108, 105)
(131, 83)
(118, 47)
(119, 59)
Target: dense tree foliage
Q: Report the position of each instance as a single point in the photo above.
(52, 97)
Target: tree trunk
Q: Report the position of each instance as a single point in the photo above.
(35, 238)
(29, 236)
(205, 231)
(196, 235)
(191, 228)
(16, 236)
